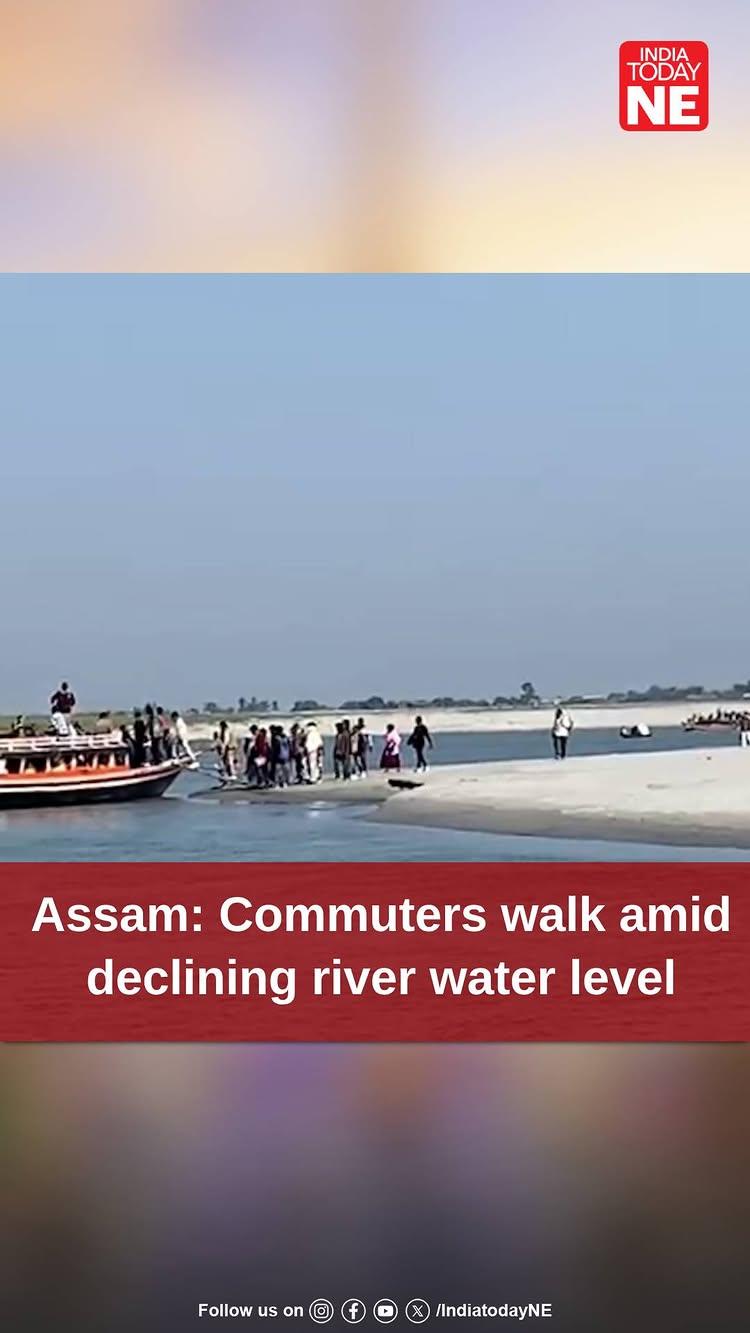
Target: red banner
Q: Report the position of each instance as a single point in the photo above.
(386, 952)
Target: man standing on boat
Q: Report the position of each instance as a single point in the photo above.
(61, 704)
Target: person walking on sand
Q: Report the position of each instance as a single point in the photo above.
(420, 737)
(561, 729)
(279, 766)
(743, 727)
(260, 755)
(248, 750)
(226, 748)
(281, 755)
(347, 748)
(390, 759)
(297, 750)
(342, 752)
(182, 746)
(313, 752)
(361, 744)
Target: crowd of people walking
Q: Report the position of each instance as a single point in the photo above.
(276, 757)
(271, 756)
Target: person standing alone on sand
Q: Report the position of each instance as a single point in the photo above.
(420, 737)
(561, 729)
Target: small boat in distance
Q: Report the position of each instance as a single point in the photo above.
(78, 769)
(639, 731)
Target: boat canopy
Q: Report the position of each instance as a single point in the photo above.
(45, 745)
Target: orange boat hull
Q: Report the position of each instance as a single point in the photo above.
(85, 786)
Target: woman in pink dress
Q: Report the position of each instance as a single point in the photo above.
(391, 756)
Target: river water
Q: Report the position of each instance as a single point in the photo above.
(182, 827)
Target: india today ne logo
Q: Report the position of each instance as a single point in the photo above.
(663, 85)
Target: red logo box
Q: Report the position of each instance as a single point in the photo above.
(663, 86)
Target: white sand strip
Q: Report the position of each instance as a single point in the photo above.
(698, 797)
(598, 716)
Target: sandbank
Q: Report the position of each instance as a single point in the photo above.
(681, 797)
(685, 797)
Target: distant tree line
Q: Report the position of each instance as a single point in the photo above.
(665, 693)
(528, 697)
(244, 705)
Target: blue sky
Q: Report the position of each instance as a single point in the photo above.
(305, 486)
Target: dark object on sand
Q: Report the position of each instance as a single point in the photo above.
(404, 784)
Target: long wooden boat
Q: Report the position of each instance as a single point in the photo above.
(78, 770)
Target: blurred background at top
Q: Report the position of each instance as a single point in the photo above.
(361, 135)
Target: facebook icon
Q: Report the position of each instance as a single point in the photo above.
(353, 1311)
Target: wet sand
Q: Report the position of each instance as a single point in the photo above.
(363, 791)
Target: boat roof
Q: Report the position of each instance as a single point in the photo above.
(108, 740)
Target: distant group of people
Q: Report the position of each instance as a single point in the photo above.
(737, 718)
(721, 717)
(728, 717)
(274, 757)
